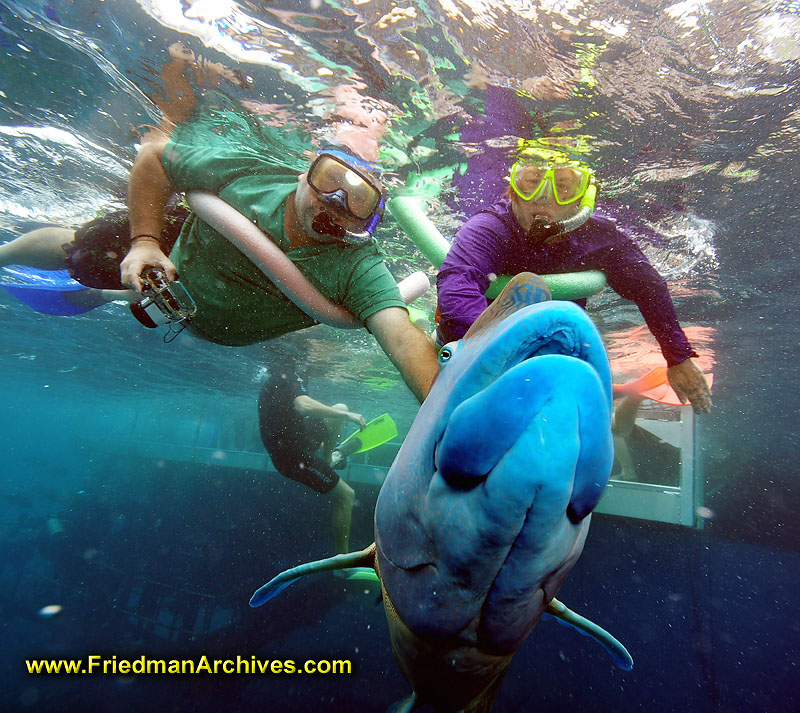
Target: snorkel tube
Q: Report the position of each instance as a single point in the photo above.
(585, 210)
(324, 224)
(273, 262)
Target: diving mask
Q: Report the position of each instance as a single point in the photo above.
(345, 183)
(565, 183)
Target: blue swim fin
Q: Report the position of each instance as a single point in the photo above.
(46, 291)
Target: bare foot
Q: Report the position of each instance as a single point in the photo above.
(120, 295)
(338, 460)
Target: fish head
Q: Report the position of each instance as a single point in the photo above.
(486, 506)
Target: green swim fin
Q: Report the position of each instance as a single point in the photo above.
(361, 574)
(375, 433)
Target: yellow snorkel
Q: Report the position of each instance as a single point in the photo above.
(585, 210)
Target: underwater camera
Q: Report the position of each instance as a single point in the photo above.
(163, 302)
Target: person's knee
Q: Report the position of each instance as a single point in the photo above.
(340, 407)
(343, 494)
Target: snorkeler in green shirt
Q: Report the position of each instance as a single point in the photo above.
(321, 218)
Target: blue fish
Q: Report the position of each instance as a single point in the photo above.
(487, 506)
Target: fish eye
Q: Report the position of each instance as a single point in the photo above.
(446, 352)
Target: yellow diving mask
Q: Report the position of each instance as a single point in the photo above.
(566, 183)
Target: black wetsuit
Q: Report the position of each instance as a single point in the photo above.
(290, 438)
(100, 245)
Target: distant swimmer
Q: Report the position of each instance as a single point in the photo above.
(301, 434)
(91, 255)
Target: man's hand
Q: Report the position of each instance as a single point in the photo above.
(357, 419)
(689, 382)
(149, 189)
(145, 252)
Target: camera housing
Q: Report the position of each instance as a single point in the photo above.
(163, 302)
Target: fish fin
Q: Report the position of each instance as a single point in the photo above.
(407, 705)
(522, 290)
(588, 628)
(363, 559)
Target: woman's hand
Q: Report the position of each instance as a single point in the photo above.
(689, 382)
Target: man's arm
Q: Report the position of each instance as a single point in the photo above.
(311, 407)
(149, 189)
(410, 350)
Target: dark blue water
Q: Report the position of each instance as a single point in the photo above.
(147, 454)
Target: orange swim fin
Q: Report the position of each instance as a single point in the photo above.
(654, 385)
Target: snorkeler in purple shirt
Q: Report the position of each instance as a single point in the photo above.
(543, 224)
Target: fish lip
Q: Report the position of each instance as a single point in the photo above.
(552, 327)
(523, 336)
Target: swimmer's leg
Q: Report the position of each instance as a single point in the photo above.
(342, 497)
(40, 249)
(624, 421)
(91, 297)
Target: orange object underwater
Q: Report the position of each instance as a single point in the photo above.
(654, 385)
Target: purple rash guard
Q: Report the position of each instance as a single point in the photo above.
(491, 242)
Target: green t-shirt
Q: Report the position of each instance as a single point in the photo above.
(220, 151)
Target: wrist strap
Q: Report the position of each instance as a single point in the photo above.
(145, 235)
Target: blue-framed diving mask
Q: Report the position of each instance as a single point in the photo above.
(346, 184)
